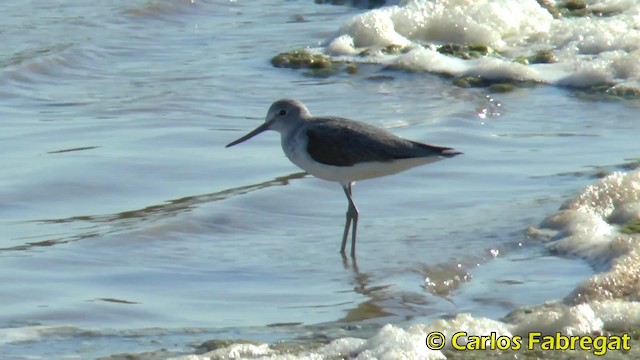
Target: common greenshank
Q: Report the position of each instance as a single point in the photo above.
(343, 150)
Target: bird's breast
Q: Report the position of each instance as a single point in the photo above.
(295, 148)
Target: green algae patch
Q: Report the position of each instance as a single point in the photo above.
(298, 59)
(317, 65)
(610, 92)
(387, 50)
(501, 88)
(573, 8)
(624, 92)
(321, 72)
(395, 49)
(574, 5)
(469, 82)
(465, 52)
(494, 86)
(631, 227)
(580, 8)
(541, 57)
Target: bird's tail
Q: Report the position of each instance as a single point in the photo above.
(449, 152)
(431, 150)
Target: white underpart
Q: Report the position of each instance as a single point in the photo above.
(295, 147)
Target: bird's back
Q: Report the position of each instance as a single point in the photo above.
(342, 142)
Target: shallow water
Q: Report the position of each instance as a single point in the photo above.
(128, 227)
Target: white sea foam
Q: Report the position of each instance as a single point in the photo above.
(589, 226)
(390, 343)
(374, 28)
(591, 50)
(13, 335)
(37, 332)
(423, 59)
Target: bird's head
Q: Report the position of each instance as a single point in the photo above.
(283, 116)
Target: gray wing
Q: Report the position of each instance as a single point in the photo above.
(342, 142)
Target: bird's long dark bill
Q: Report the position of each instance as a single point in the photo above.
(253, 133)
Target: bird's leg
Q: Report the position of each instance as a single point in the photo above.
(353, 232)
(352, 216)
(346, 233)
(347, 191)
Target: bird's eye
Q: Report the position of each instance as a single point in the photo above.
(282, 112)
